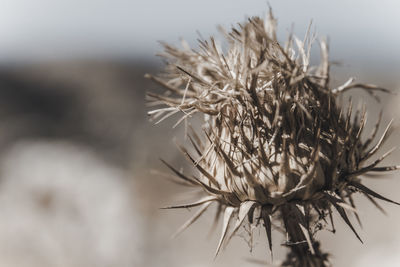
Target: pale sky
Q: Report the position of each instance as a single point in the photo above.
(52, 29)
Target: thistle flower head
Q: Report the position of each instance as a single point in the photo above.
(276, 145)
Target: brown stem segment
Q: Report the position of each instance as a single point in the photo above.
(300, 254)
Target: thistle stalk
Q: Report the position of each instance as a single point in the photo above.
(275, 145)
(303, 249)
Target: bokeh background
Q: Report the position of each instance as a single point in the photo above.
(81, 183)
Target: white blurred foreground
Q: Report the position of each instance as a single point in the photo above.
(60, 205)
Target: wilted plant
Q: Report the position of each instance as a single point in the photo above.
(276, 147)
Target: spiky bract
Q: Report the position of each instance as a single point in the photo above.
(276, 142)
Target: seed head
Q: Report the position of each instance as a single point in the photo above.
(276, 145)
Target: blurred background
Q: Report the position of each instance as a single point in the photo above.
(77, 151)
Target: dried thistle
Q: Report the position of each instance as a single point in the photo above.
(277, 146)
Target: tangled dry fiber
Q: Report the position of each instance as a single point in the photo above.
(276, 147)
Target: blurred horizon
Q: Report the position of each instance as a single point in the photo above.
(47, 30)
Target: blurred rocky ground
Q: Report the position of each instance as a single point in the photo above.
(99, 104)
(76, 180)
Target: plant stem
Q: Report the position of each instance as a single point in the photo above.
(300, 254)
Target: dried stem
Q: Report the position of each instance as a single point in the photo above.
(300, 254)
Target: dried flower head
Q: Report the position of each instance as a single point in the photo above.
(277, 146)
